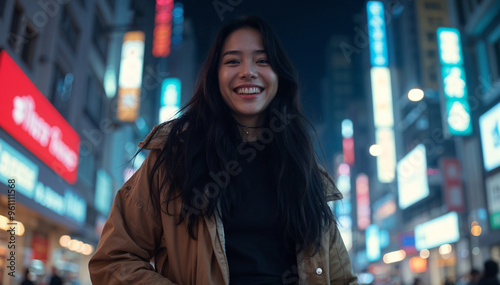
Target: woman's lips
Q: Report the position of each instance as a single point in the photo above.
(249, 96)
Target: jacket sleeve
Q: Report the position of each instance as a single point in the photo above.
(340, 263)
(131, 235)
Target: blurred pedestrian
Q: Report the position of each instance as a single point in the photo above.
(232, 188)
(448, 281)
(490, 273)
(474, 276)
(54, 278)
(27, 278)
(417, 281)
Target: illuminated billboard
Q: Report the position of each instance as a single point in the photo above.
(383, 113)
(363, 201)
(31, 119)
(372, 243)
(38, 188)
(489, 126)
(381, 92)
(437, 232)
(386, 161)
(493, 198)
(162, 32)
(130, 80)
(412, 177)
(343, 210)
(383, 116)
(348, 141)
(170, 101)
(376, 33)
(455, 103)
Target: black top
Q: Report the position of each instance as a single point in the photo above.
(255, 246)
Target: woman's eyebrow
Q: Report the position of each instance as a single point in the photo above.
(238, 52)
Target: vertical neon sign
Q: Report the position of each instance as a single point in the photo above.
(163, 28)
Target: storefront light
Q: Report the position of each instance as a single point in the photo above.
(19, 228)
(64, 240)
(87, 249)
(476, 230)
(445, 249)
(6, 224)
(3, 223)
(75, 245)
(72, 244)
(418, 264)
(394, 256)
(424, 253)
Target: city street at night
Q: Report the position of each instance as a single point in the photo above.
(249, 142)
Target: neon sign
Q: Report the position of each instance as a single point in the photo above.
(130, 80)
(376, 32)
(163, 28)
(32, 120)
(454, 82)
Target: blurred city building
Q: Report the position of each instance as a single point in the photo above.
(79, 90)
(439, 215)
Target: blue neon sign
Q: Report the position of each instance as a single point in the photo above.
(377, 33)
(372, 243)
(170, 101)
(454, 82)
(15, 165)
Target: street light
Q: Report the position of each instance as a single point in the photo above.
(415, 94)
(375, 150)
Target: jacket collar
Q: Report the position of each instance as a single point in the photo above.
(157, 137)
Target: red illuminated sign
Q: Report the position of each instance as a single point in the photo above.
(30, 118)
(163, 28)
(363, 201)
(453, 192)
(39, 247)
(348, 150)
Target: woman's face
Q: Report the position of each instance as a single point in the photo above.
(246, 80)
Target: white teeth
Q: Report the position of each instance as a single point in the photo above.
(251, 90)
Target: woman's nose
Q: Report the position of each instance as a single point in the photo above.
(248, 70)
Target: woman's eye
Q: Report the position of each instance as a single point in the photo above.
(232, 61)
(263, 61)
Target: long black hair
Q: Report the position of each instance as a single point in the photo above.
(203, 142)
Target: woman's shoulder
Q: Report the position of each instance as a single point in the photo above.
(331, 191)
(157, 137)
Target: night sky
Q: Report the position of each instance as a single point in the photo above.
(304, 27)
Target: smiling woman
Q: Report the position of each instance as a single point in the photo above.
(205, 211)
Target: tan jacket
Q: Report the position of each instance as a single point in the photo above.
(134, 234)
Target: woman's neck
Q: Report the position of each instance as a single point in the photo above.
(249, 128)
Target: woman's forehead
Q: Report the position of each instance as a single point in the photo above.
(243, 40)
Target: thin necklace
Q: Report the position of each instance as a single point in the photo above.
(247, 127)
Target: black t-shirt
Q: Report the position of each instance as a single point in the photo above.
(255, 246)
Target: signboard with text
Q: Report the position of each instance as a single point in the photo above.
(130, 79)
(457, 108)
(489, 126)
(32, 120)
(39, 189)
(493, 198)
(452, 185)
